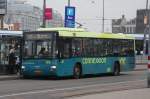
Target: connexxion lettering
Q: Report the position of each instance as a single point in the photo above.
(94, 60)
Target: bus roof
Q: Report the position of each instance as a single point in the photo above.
(62, 29)
(95, 35)
(13, 33)
(116, 36)
(75, 32)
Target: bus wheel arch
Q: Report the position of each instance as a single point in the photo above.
(77, 70)
(116, 68)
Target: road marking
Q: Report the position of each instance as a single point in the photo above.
(65, 89)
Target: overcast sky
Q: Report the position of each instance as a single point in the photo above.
(87, 11)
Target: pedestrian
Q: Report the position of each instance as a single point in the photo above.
(12, 60)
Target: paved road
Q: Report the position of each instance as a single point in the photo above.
(64, 88)
(127, 94)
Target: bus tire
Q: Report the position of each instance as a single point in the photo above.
(25, 77)
(77, 72)
(116, 71)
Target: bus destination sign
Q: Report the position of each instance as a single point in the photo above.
(39, 36)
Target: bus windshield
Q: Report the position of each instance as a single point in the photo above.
(39, 47)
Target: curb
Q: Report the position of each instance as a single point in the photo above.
(140, 69)
(3, 78)
(141, 64)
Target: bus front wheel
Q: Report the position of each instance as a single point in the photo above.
(116, 71)
(77, 71)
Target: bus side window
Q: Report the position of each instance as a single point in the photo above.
(77, 47)
(64, 48)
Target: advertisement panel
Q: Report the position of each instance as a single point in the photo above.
(48, 14)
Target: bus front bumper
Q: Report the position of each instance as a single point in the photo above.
(39, 72)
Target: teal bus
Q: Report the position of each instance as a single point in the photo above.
(74, 52)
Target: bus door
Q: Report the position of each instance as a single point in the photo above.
(64, 46)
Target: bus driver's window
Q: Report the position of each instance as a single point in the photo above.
(44, 48)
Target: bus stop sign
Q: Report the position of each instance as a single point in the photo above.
(69, 16)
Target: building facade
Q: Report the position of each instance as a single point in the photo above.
(22, 15)
(140, 26)
(124, 26)
(57, 20)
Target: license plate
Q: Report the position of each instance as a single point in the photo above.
(38, 72)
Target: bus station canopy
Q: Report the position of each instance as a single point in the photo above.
(12, 33)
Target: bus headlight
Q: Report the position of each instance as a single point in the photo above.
(53, 68)
(22, 67)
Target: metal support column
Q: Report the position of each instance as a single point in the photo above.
(149, 34)
(44, 6)
(2, 22)
(146, 27)
(69, 3)
(103, 17)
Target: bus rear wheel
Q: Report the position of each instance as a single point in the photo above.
(77, 71)
(116, 71)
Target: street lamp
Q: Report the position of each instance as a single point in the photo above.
(44, 6)
(147, 4)
(146, 18)
(103, 17)
(68, 2)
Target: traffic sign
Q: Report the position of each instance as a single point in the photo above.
(145, 20)
(70, 16)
